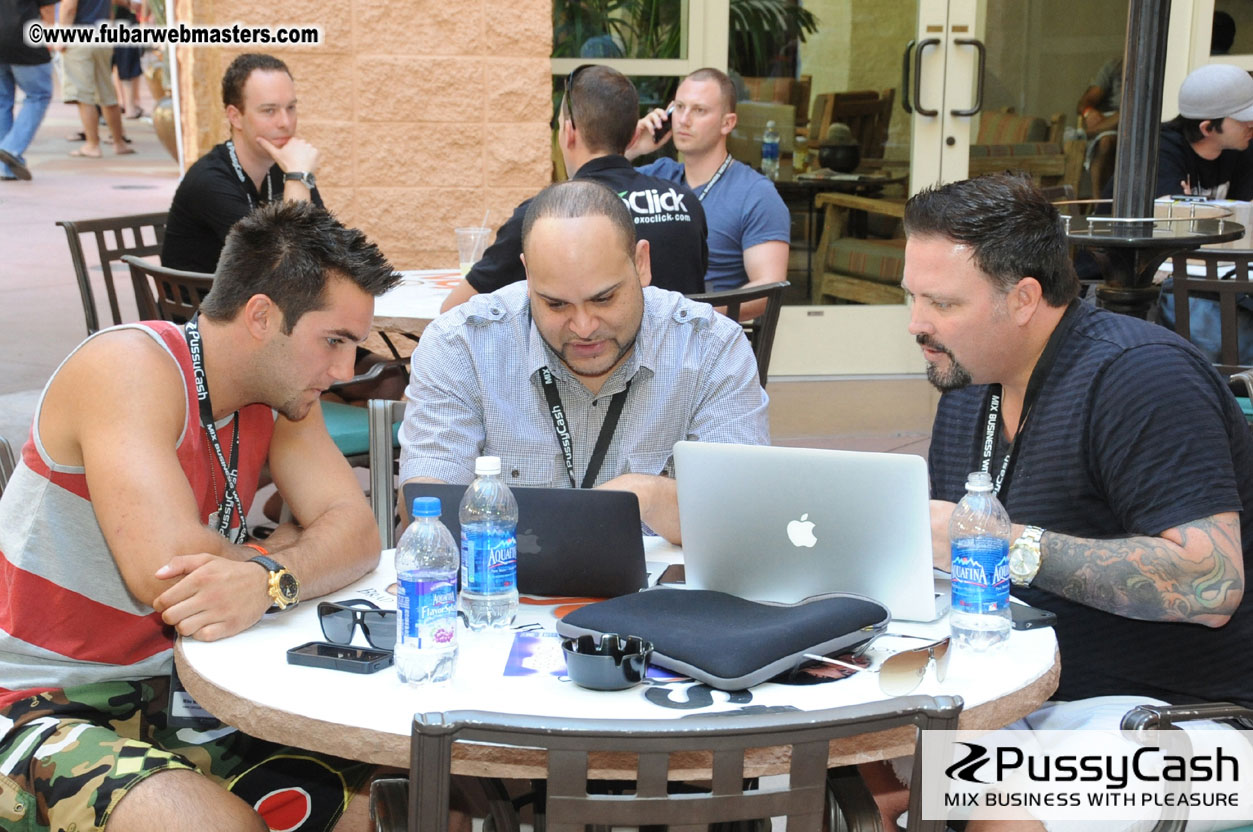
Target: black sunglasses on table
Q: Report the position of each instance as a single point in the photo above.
(340, 618)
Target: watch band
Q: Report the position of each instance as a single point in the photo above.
(304, 177)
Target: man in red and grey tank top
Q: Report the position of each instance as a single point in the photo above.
(123, 527)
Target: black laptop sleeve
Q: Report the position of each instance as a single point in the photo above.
(727, 642)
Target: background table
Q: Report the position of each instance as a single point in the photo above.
(246, 682)
(413, 304)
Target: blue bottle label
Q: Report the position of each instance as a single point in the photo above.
(980, 574)
(490, 561)
(428, 612)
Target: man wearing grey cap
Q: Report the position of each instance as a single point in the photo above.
(1204, 150)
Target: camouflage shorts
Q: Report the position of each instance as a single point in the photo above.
(72, 754)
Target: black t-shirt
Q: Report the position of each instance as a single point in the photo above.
(1133, 433)
(209, 200)
(667, 214)
(1230, 176)
(15, 14)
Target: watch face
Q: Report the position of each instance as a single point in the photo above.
(1024, 561)
(288, 586)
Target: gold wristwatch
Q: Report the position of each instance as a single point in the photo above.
(283, 588)
(1024, 556)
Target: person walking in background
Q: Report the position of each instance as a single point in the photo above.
(88, 79)
(28, 68)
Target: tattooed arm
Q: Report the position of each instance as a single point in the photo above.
(1192, 573)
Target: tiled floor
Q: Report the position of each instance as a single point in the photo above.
(41, 316)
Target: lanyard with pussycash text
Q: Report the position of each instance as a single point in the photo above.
(230, 470)
(986, 445)
(607, 428)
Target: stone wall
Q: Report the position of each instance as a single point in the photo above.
(427, 113)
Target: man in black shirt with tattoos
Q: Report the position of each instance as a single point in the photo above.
(1121, 456)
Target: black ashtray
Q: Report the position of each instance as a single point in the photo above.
(614, 663)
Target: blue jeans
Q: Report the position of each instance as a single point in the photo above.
(16, 133)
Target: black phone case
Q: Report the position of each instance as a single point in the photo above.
(1025, 617)
(369, 660)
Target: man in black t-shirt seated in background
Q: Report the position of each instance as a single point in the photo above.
(1130, 469)
(1204, 151)
(595, 124)
(262, 161)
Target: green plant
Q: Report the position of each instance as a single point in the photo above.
(760, 30)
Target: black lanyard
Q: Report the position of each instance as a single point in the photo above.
(986, 445)
(607, 428)
(230, 496)
(243, 179)
(726, 163)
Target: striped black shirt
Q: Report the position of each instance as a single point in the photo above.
(1133, 433)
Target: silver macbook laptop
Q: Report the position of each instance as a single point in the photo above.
(782, 524)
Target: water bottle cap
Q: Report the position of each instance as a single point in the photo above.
(488, 466)
(979, 481)
(769, 124)
(426, 507)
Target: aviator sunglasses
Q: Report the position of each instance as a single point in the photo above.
(340, 619)
(568, 98)
(901, 673)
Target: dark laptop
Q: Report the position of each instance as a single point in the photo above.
(571, 541)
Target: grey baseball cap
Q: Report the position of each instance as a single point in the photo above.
(1217, 91)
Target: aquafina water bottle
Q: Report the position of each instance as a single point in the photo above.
(979, 533)
(770, 152)
(489, 548)
(427, 560)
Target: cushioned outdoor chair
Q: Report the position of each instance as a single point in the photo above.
(114, 237)
(760, 330)
(647, 749)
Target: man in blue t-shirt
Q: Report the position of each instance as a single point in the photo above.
(749, 226)
(1122, 458)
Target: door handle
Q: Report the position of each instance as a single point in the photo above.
(922, 111)
(909, 47)
(983, 61)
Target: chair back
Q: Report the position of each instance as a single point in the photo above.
(8, 462)
(1227, 280)
(166, 294)
(139, 234)
(868, 114)
(643, 750)
(760, 331)
(383, 414)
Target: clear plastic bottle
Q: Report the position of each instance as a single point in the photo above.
(770, 152)
(489, 548)
(427, 560)
(979, 533)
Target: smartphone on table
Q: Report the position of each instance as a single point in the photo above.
(340, 657)
(1029, 618)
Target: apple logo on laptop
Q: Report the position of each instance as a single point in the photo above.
(528, 543)
(801, 532)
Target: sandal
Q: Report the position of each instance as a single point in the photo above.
(139, 113)
(80, 136)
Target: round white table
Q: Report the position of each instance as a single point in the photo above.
(246, 682)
